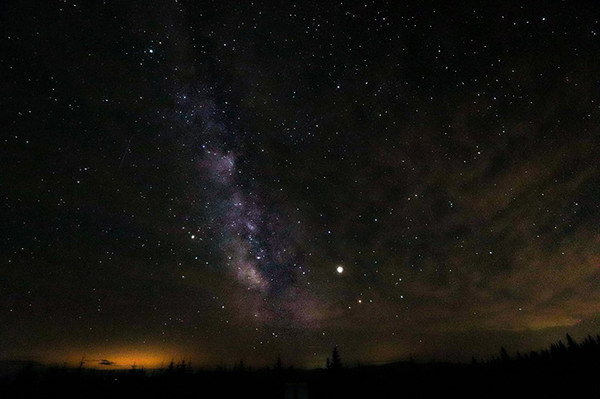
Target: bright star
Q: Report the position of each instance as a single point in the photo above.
(340, 269)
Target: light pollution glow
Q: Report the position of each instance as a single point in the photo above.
(117, 358)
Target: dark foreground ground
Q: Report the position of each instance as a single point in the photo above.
(510, 379)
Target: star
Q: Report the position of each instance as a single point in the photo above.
(218, 176)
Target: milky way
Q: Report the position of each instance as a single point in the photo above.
(219, 181)
(257, 243)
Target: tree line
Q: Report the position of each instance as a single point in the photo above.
(585, 352)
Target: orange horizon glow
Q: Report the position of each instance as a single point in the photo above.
(117, 358)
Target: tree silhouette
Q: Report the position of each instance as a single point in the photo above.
(336, 362)
(504, 354)
(571, 344)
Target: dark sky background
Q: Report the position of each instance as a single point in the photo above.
(183, 179)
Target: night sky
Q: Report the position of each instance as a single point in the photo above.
(214, 181)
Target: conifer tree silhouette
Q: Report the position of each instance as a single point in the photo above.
(571, 344)
(336, 361)
(504, 354)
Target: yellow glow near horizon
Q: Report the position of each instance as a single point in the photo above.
(116, 358)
